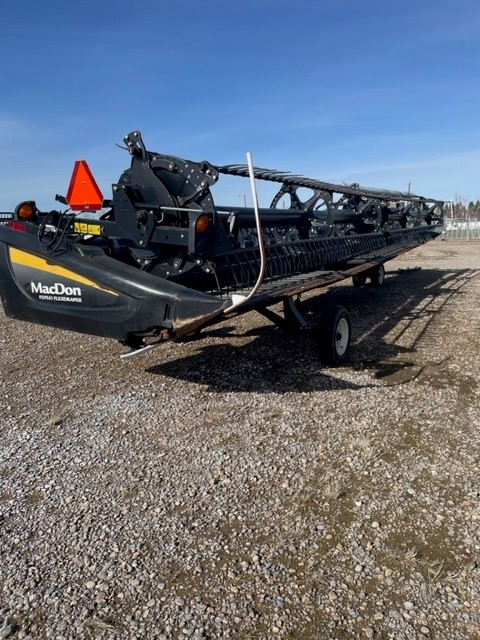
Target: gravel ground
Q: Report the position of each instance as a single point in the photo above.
(233, 487)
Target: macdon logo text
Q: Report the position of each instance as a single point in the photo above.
(57, 289)
(57, 292)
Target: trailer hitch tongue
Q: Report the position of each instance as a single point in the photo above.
(238, 299)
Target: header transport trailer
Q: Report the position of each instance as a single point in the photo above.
(161, 259)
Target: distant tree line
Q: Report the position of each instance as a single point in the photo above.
(461, 208)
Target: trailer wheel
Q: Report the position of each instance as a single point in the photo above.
(335, 334)
(359, 280)
(377, 276)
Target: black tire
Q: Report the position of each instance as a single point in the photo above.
(377, 276)
(359, 280)
(335, 335)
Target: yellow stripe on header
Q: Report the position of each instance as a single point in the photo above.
(17, 256)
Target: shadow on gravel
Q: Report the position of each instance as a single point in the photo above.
(388, 326)
(271, 361)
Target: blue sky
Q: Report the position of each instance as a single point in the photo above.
(377, 92)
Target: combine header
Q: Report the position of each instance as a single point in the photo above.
(161, 259)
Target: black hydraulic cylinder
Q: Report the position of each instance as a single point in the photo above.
(268, 217)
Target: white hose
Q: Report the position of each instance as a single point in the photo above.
(238, 300)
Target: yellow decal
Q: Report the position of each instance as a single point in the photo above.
(17, 256)
(86, 228)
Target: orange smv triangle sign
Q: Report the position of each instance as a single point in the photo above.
(83, 192)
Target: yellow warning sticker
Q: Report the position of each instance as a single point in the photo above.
(88, 229)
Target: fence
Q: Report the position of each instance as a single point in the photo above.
(467, 228)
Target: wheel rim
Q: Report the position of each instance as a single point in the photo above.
(342, 336)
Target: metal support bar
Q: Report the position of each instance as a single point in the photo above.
(292, 319)
(293, 315)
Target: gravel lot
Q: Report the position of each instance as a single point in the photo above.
(233, 487)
